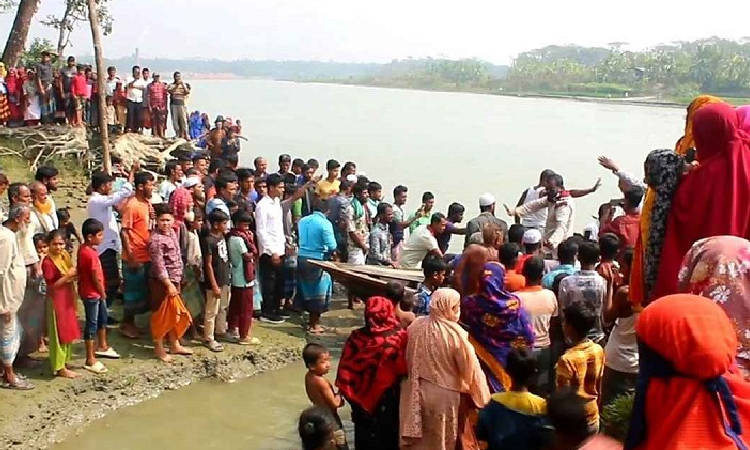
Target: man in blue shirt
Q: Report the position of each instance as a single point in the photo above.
(314, 285)
(566, 253)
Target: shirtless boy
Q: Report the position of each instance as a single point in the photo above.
(319, 390)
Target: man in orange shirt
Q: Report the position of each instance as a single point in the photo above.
(509, 259)
(137, 219)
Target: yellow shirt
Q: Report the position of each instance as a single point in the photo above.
(582, 367)
(327, 189)
(523, 402)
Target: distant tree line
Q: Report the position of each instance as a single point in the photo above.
(682, 68)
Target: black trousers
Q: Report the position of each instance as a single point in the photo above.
(271, 284)
(135, 116)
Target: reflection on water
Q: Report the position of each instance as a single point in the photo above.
(258, 413)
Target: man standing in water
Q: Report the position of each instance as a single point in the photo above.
(12, 284)
(486, 216)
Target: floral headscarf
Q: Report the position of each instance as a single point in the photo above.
(663, 171)
(718, 268)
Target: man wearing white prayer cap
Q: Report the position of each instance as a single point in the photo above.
(486, 216)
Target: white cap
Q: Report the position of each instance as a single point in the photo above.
(191, 182)
(486, 199)
(531, 236)
(351, 178)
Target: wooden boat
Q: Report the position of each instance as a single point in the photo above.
(366, 281)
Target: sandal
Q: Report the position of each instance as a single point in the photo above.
(249, 341)
(98, 368)
(320, 329)
(214, 346)
(108, 353)
(19, 385)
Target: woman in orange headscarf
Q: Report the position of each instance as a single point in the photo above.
(689, 395)
(686, 142)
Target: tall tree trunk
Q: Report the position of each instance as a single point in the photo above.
(16, 43)
(63, 35)
(96, 37)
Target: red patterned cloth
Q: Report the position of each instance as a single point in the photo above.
(374, 357)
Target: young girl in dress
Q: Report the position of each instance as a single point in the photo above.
(62, 325)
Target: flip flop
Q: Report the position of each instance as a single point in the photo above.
(98, 368)
(19, 385)
(108, 353)
(321, 330)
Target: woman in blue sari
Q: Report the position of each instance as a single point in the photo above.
(493, 317)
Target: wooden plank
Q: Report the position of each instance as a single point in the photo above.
(361, 284)
(404, 275)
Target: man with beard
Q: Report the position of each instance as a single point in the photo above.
(12, 282)
(49, 176)
(41, 210)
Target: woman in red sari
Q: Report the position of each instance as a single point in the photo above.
(714, 198)
(13, 84)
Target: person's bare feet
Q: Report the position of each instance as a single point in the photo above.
(129, 331)
(162, 355)
(67, 373)
(180, 350)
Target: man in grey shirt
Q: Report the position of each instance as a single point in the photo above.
(486, 216)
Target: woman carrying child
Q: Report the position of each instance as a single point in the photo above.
(62, 325)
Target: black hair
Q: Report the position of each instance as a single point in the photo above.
(394, 291)
(142, 178)
(407, 303)
(134, 67)
(557, 179)
(609, 244)
(531, 248)
(184, 157)
(14, 190)
(567, 251)
(91, 227)
(345, 185)
(316, 427)
(242, 216)
(231, 160)
(316, 204)
(588, 253)
(361, 179)
(197, 158)
(162, 209)
(546, 173)
(63, 214)
(312, 162)
(509, 255)
(58, 233)
(298, 162)
(522, 366)
(312, 353)
(45, 172)
(332, 164)
(433, 264)
(427, 196)
(274, 180)
(633, 196)
(400, 189)
(437, 218)
(39, 238)
(349, 165)
(170, 167)
(374, 186)
(284, 158)
(223, 180)
(243, 173)
(257, 160)
(581, 317)
(359, 188)
(216, 165)
(455, 208)
(176, 73)
(191, 171)
(533, 270)
(217, 216)
(111, 68)
(382, 207)
(566, 411)
(99, 179)
(146, 69)
(73, 58)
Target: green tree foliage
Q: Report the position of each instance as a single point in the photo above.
(33, 54)
(7, 5)
(708, 65)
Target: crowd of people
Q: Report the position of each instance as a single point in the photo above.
(42, 93)
(519, 341)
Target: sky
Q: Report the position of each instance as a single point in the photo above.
(382, 30)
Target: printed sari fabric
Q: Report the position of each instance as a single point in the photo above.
(496, 323)
(718, 268)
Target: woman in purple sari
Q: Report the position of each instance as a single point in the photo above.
(493, 317)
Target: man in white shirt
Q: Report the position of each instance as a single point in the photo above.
(49, 176)
(173, 172)
(269, 222)
(422, 242)
(136, 88)
(42, 210)
(100, 206)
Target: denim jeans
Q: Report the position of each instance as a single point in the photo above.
(96, 317)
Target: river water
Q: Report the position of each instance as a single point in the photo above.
(455, 145)
(258, 413)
